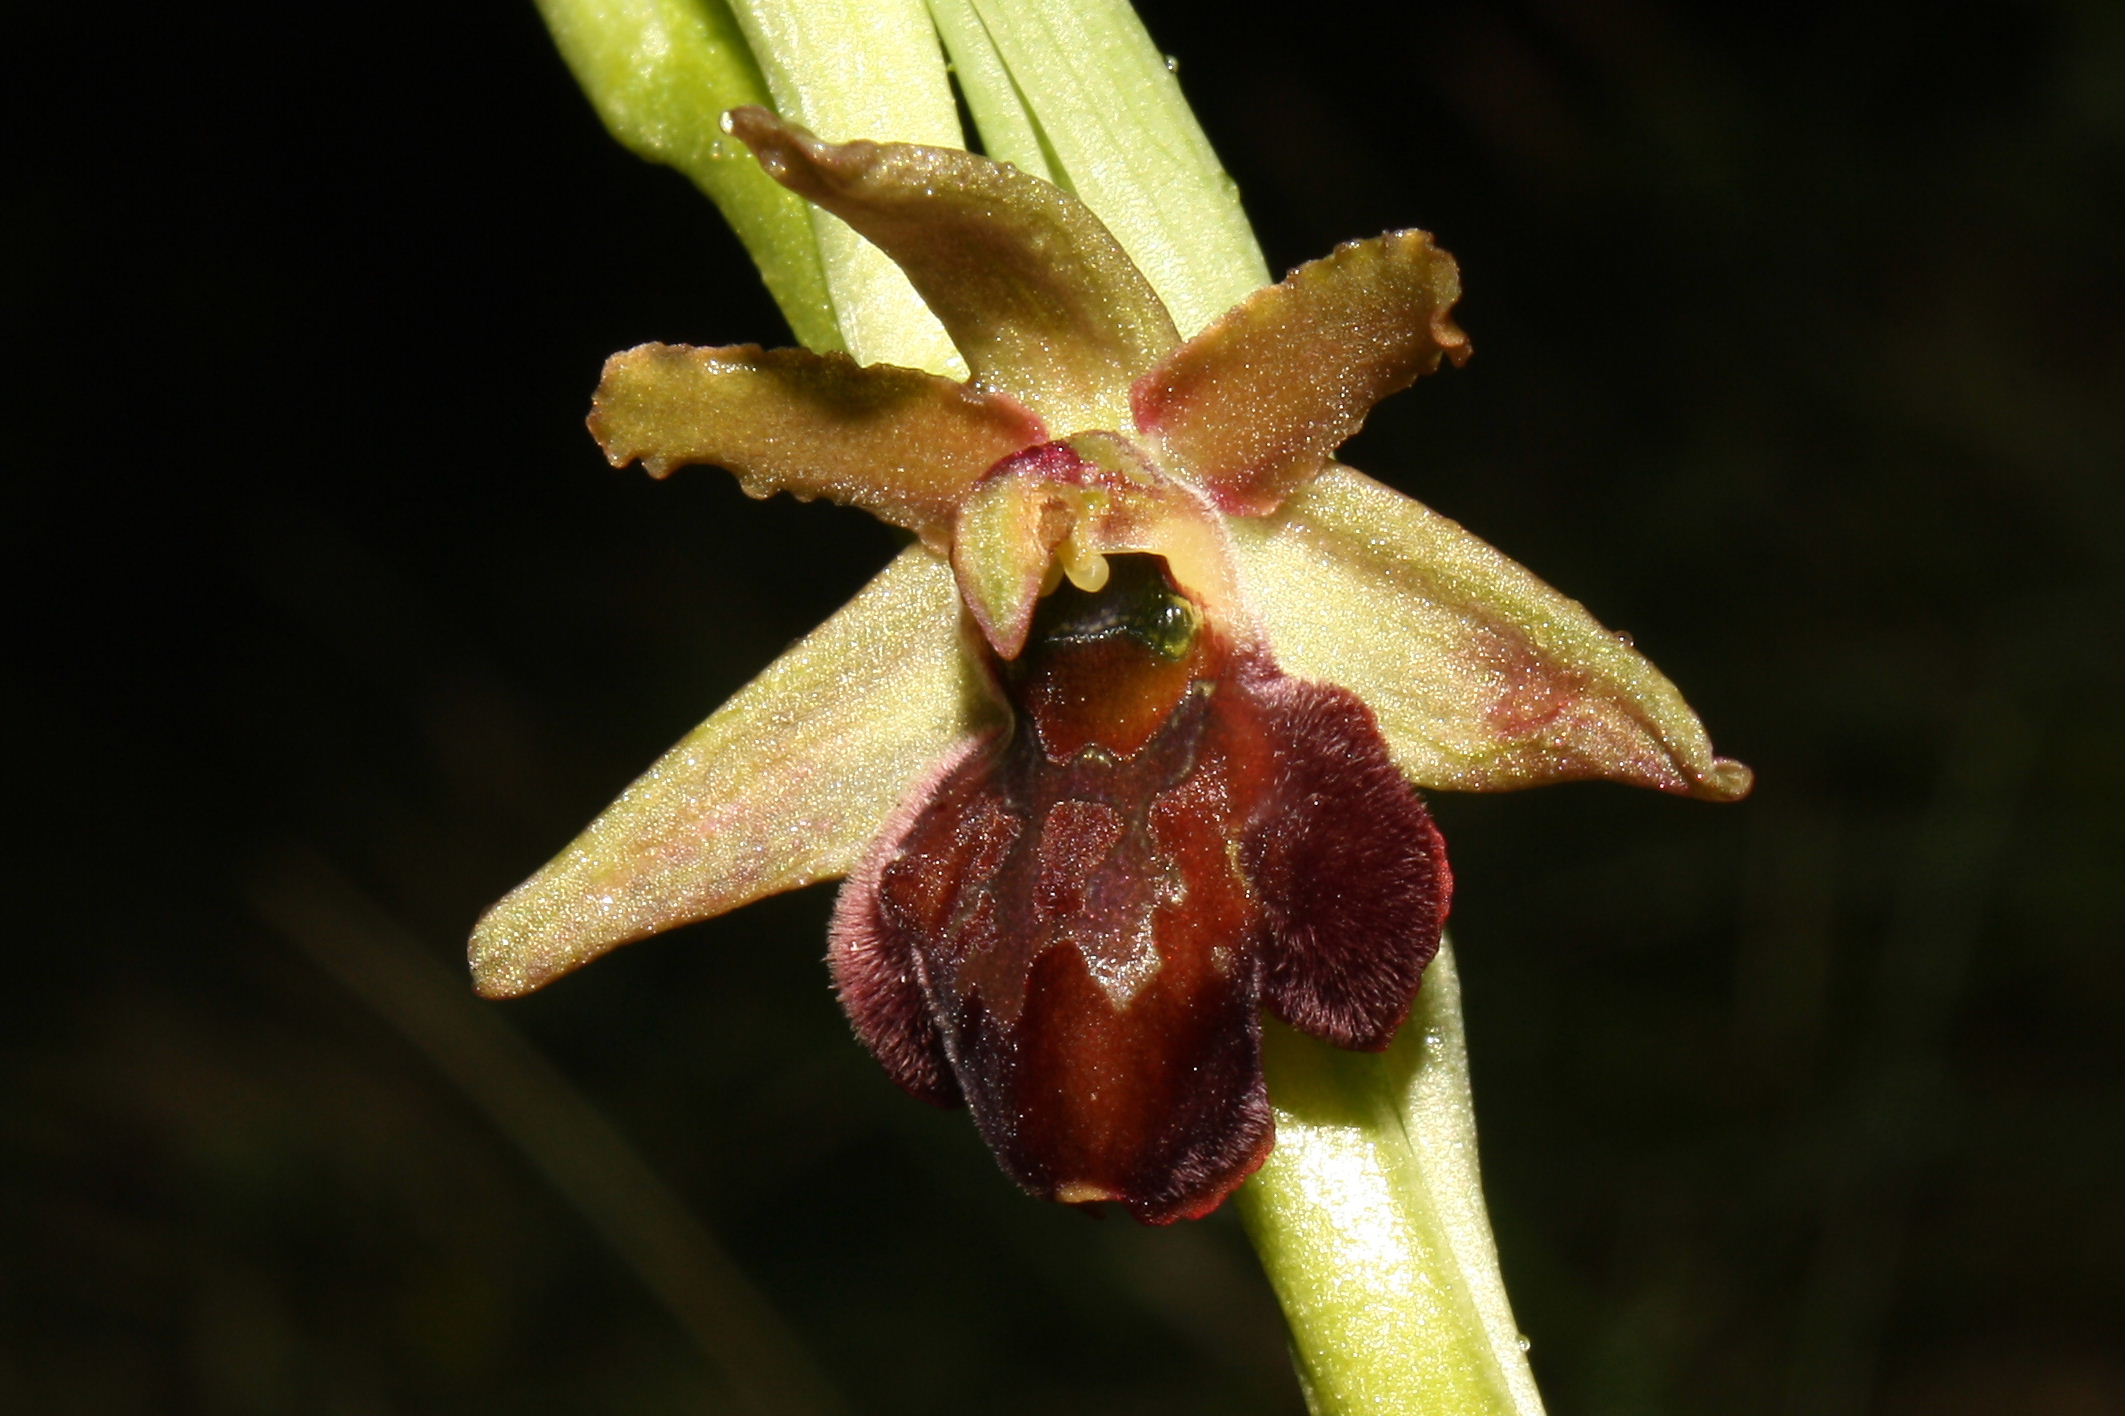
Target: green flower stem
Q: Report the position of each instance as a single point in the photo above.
(661, 74)
(1008, 130)
(1368, 1217)
(1119, 135)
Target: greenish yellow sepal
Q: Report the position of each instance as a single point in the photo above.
(784, 785)
(1482, 677)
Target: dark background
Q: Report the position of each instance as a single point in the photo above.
(1799, 358)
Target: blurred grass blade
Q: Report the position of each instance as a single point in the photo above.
(1368, 1217)
(1119, 134)
(661, 74)
(871, 69)
(558, 1130)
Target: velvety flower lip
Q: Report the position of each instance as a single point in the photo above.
(1124, 747)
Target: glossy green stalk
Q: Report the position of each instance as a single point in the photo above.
(661, 74)
(1008, 130)
(1368, 1217)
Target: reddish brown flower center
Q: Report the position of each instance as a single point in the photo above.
(1077, 929)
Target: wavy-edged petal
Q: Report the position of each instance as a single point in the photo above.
(784, 785)
(1483, 678)
(1258, 402)
(1035, 292)
(902, 444)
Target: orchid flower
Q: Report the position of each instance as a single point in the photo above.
(1126, 745)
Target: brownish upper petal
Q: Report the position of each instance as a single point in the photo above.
(1038, 296)
(1256, 404)
(902, 444)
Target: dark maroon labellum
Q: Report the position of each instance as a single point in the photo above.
(1074, 928)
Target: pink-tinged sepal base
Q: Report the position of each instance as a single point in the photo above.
(1074, 929)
